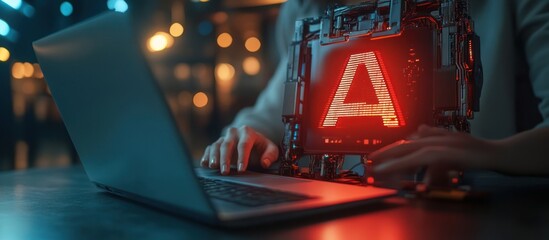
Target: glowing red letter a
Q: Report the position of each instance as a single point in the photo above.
(387, 107)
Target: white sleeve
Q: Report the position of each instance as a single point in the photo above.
(533, 29)
(266, 115)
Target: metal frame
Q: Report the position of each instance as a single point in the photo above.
(458, 51)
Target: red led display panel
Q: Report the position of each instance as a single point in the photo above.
(364, 67)
(364, 94)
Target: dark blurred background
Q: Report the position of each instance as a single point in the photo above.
(211, 57)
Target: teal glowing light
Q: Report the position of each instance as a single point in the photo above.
(66, 9)
(121, 6)
(15, 4)
(110, 4)
(117, 5)
(4, 28)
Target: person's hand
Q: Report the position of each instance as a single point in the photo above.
(242, 144)
(441, 151)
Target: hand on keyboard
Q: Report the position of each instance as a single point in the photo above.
(244, 143)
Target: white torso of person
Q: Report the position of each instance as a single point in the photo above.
(515, 56)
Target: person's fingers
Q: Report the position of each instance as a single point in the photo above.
(437, 176)
(428, 131)
(382, 152)
(227, 150)
(270, 154)
(239, 144)
(402, 148)
(214, 153)
(204, 161)
(246, 142)
(428, 156)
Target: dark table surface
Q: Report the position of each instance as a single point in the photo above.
(63, 204)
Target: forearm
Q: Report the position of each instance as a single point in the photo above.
(266, 122)
(265, 116)
(526, 153)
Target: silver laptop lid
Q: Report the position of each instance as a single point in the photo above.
(116, 115)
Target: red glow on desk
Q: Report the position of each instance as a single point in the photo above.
(370, 180)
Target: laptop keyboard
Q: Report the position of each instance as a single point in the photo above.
(247, 195)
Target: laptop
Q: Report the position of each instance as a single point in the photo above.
(129, 144)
